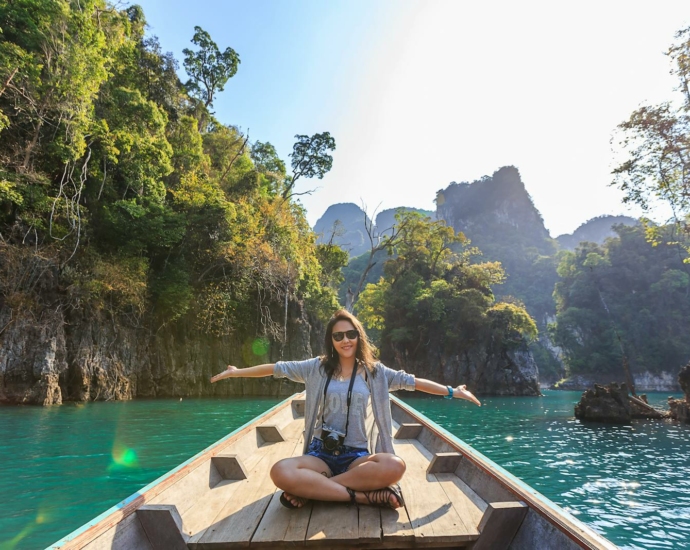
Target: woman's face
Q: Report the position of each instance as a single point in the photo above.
(347, 347)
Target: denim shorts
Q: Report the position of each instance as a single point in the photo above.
(337, 463)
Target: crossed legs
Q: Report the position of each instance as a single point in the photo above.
(308, 477)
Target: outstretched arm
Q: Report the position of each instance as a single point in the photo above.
(461, 392)
(250, 372)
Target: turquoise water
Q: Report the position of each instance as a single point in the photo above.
(64, 465)
(630, 483)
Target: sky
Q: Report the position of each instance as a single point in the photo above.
(421, 93)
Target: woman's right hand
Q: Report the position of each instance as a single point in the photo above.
(225, 374)
(463, 393)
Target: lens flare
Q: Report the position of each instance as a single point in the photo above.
(13, 542)
(260, 346)
(124, 457)
(42, 516)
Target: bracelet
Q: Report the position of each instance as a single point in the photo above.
(450, 393)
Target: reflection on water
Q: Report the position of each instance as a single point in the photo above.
(630, 483)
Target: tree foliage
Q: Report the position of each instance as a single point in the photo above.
(208, 68)
(431, 294)
(497, 213)
(624, 297)
(310, 158)
(654, 144)
(143, 202)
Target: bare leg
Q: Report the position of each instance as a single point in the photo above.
(372, 472)
(306, 477)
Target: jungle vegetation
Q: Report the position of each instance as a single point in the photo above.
(628, 298)
(433, 294)
(122, 194)
(120, 191)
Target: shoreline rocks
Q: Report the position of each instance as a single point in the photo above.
(612, 404)
(680, 408)
(605, 404)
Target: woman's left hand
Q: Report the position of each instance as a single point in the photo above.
(462, 392)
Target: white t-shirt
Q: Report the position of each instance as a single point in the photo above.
(335, 414)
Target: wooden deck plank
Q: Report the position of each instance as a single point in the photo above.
(395, 525)
(190, 488)
(198, 518)
(466, 502)
(129, 535)
(432, 514)
(281, 524)
(332, 523)
(369, 527)
(239, 518)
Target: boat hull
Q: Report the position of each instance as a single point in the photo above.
(223, 498)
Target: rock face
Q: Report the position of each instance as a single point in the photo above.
(605, 404)
(33, 358)
(596, 230)
(680, 408)
(507, 373)
(344, 224)
(69, 356)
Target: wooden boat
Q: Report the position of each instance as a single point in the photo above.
(224, 498)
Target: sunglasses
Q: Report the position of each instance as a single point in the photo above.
(351, 335)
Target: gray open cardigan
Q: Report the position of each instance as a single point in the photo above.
(311, 374)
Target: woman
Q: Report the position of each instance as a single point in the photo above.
(347, 414)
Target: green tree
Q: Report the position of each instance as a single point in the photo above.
(625, 300)
(433, 297)
(309, 159)
(176, 219)
(655, 145)
(208, 68)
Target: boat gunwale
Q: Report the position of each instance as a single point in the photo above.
(565, 522)
(97, 526)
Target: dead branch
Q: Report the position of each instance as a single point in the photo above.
(239, 152)
(7, 82)
(378, 242)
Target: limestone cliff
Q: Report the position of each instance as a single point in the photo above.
(596, 230)
(81, 356)
(508, 372)
(344, 225)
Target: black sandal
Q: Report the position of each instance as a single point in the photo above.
(285, 502)
(382, 497)
(353, 500)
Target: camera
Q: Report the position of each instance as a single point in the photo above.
(332, 439)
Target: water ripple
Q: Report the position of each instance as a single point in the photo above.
(631, 483)
(65, 465)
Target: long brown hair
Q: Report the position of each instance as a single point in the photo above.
(365, 354)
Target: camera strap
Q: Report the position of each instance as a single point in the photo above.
(349, 396)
